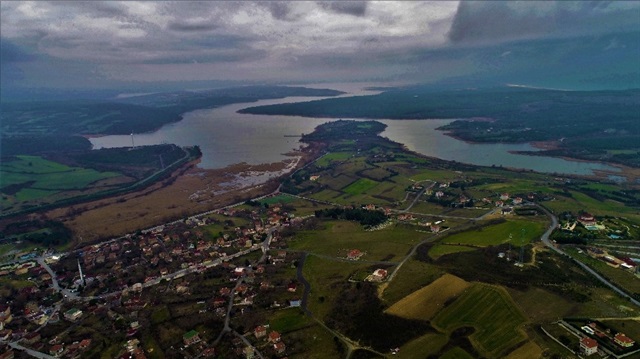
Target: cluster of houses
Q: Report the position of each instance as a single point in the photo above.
(271, 339)
(613, 261)
(118, 271)
(589, 345)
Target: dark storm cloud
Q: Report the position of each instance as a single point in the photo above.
(279, 10)
(355, 8)
(497, 21)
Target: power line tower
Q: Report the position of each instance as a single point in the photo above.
(522, 246)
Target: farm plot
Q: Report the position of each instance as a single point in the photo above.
(360, 186)
(499, 233)
(425, 303)
(493, 315)
(29, 178)
(327, 159)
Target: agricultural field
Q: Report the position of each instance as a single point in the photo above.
(327, 159)
(425, 303)
(411, 277)
(361, 186)
(515, 231)
(424, 346)
(32, 179)
(338, 237)
(493, 315)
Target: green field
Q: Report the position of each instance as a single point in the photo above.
(440, 250)
(499, 233)
(324, 275)
(491, 311)
(389, 244)
(32, 178)
(456, 353)
(429, 344)
(332, 157)
(412, 276)
(360, 186)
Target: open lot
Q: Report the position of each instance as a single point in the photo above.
(338, 237)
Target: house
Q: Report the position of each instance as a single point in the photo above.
(32, 338)
(295, 303)
(507, 210)
(504, 196)
(314, 178)
(517, 200)
(274, 337)
(378, 275)
(499, 203)
(7, 354)
(587, 219)
(56, 350)
(292, 287)
(279, 348)
(209, 353)
(219, 302)
(354, 254)
(623, 340)
(84, 344)
(439, 194)
(260, 331)
(72, 314)
(191, 337)
(588, 346)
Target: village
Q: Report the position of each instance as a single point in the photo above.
(114, 280)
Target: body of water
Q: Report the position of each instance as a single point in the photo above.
(227, 137)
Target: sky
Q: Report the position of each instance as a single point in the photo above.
(93, 44)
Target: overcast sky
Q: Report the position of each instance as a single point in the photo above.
(83, 44)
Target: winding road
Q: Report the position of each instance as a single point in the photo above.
(545, 239)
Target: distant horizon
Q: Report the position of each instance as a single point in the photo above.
(80, 46)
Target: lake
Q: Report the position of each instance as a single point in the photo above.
(227, 137)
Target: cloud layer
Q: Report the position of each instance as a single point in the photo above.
(279, 41)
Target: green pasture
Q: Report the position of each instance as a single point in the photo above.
(326, 160)
(580, 201)
(32, 178)
(324, 275)
(491, 311)
(336, 183)
(393, 191)
(456, 353)
(424, 346)
(326, 195)
(499, 233)
(288, 320)
(360, 186)
(391, 243)
(413, 275)
(440, 250)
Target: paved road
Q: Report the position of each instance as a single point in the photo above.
(545, 239)
(31, 352)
